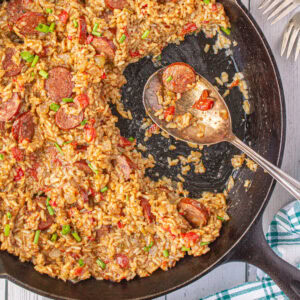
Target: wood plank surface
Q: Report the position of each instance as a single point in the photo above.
(219, 279)
(2, 288)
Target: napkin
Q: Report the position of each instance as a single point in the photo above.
(283, 237)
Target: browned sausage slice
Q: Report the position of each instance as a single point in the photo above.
(147, 210)
(125, 165)
(43, 225)
(68, 116)
(11, 68)
(115, 4)
(104, 45)
(29, 21)
(49, 219)
(83, 166)
(9, 108)
(178, 76)
(195, 212)
(59, 84)
(15, 9)
(23, 127)
(102, 231)
(82, 30)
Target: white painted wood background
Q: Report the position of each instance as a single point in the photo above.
(232, 274)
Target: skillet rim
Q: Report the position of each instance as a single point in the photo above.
(226, 256)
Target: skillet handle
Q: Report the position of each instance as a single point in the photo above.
(254, 249)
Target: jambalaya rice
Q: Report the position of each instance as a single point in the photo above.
(74, 199)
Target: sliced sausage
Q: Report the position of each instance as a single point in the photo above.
(59, 84)
(10, 67)
(82, 30)
(83, 166)
(23, 127)
(115, 4)
(9, 108)
(122, 260)
(15, 9)
(49, 219)
(102, 231)
(104, 45)
(125, 165)
(29, 21)
(178, 76)
(194, 212)
(67, 119)
(147, 210)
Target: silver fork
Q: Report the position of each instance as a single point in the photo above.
(281, 8)
(290, 36)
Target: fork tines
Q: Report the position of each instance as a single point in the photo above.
(281, 8)
(290, 37)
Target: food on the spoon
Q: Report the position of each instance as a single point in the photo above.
(179, 77)
(74, 197)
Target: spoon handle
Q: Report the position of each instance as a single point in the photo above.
(289, 183)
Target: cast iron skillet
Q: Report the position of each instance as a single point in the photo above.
(242, 237)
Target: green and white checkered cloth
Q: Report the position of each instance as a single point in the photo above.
(284, 238)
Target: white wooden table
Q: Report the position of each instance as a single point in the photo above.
(239, 272)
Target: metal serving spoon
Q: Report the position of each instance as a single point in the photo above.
(217, 121)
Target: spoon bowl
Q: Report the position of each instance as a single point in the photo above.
(217, 123)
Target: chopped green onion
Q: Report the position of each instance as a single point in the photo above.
(166, 253)
(83, 122)
(76, 236)
(169, 79)
(158, 57)
(68, 142)
(101, 264)
(58, 148)
(127, 197)
(1, 156)
(226, 30)
(43, 74)
(8, 214)
(147, 248)
(48, 201)
(52, 27)
(206, 1)
(81, 262)
(67, 100)
(54, 237)
(75, 23)
(27, 56)
(35, 60)
(36, 236)
(42, 28)
(54, 106)
(131, 139)
(220, 218)
(6, 230)
(50, 210)
(96, 33)
(145, 34)
(204, 243)
(185, 249)
(104, 189)
(65, 229)
(49, 11)
(95, 27)
(122, 38)
(92, 168)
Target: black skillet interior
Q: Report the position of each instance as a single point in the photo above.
(262, 129)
